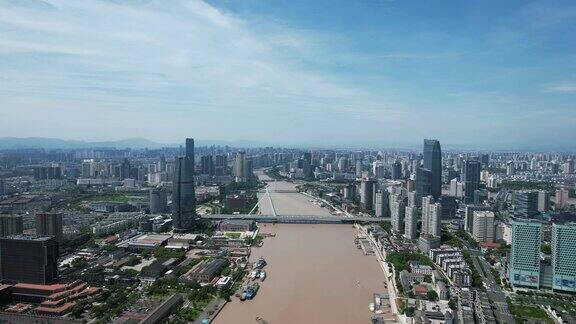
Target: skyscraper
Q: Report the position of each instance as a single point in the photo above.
(29, 259)
(423, 183)
(524, 265)
(367, 194)
(183, 193)
(382, 206)
(433, 162)
(563, 262)
(50, 224)
(398, 208)
(471, 178)
(410, 223)
(396, 170)
(525, 203)
(431, 216)
(240, 167)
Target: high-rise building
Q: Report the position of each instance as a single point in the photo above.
(485, 160)
(207, 165)
(525, 203)
(469, 216)
(431, 216)
(183, 193)
(435, 222)
(470, 178)
(456, 188)
(483, 230)
(241, 167)
(397, 208)
(524, 264)
(410, 223)
(382, 206)
(423, 182)
(50, 224)
(396, 170)
(11, 224)
(561, 198)
(426, 202)
(29, 259)
(543, 201)
(158, 201)
(563, 261)
(433, 162)
(125, 169)
(367, 194)
(510, 169)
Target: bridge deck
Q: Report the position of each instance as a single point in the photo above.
(297, 219)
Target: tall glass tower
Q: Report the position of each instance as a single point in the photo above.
(183, 193)
(563, 261)
(433, 162)
(524, 264)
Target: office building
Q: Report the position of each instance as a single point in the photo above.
(433, 162)
(423, 181)
(50, 224)
(483, 229)
(183, 193)
(382, 205)
(525, 203)
(29, 259)
(158, 201)
(410, 223)
(524, 263)
(11, 224)
(470, 178)
(367, 194)
(563, 261)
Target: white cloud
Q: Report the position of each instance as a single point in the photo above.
(561, 87)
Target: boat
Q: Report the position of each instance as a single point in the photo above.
(371, 306)
(261, 263)
(262, 275)
(254, 274)
(243, 296)
(252, 290)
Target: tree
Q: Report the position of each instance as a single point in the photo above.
(409, 311)
(432, 295)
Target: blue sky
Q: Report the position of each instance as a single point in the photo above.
(475, 73)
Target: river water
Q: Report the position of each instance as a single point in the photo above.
(315, 274)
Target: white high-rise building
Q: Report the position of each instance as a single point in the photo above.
(397, 213)
(483, 228)
(431, 216)
(435, 222)
(410, 223)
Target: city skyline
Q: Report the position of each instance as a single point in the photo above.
(491, 74)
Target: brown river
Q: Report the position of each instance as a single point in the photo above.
(315, 274)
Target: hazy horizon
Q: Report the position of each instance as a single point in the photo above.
(489, 74)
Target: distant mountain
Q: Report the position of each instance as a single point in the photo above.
(134, 143)
(55, 143)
